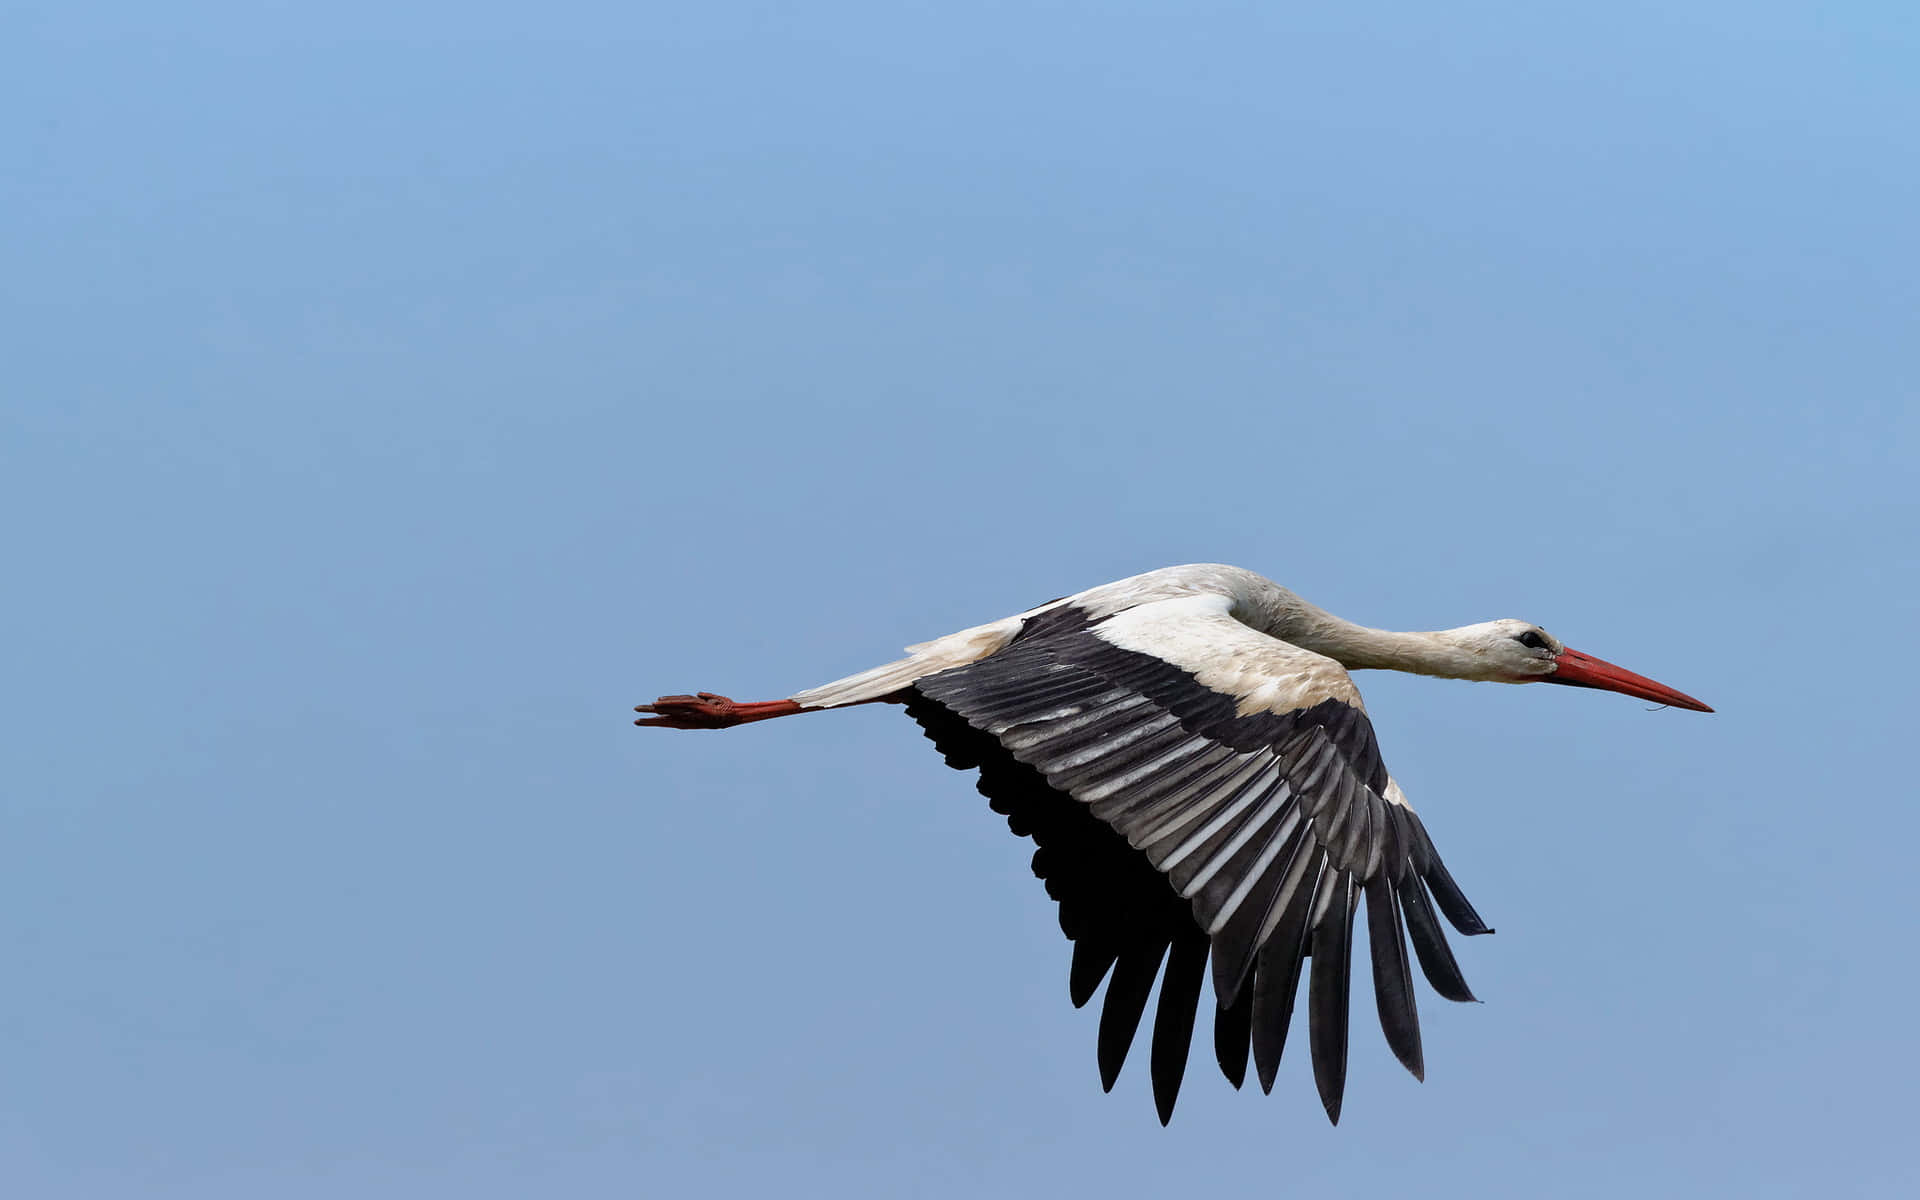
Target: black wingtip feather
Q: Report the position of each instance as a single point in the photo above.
(1091, 961)
(1232, 1034)
(1430, 943)
(1126, 1002)
(1327, 995)
(1173, 1021)
(1392, 977)
(1450, 899)
(1276, 982)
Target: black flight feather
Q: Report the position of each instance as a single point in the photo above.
(1392, 979)
(1127, 992)
(1232, 1030)
(1173, 1021)
(1327, 996)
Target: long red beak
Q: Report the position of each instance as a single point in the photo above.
(1584, 670)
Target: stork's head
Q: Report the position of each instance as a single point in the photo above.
(1512, 651)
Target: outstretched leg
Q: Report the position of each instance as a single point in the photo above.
(708, 711)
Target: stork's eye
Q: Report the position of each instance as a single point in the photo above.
(1532, 640)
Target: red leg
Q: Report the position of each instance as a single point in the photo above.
(708, 711)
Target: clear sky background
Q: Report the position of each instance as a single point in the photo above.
(395, 395)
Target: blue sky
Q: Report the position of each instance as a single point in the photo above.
(394, 398)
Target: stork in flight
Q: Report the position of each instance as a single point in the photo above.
(1197, 769)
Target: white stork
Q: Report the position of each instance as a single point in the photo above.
(1198, 771)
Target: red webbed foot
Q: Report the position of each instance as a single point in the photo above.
(705, 710)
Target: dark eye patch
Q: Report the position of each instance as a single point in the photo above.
(1532, 640)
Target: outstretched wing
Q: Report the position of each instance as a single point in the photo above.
(1198, 788)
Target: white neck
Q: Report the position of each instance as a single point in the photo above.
(1359, 648)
